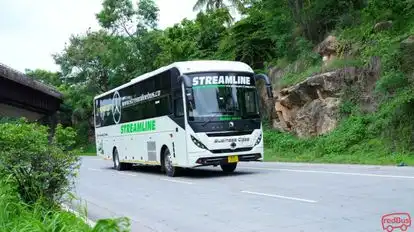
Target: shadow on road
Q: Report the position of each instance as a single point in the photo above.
(210, 173)
(196, 173)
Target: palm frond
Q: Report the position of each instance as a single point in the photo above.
(200, 4)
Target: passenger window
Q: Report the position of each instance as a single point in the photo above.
(178, 107)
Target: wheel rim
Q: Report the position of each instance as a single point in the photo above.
(167, 162)
(116, 159)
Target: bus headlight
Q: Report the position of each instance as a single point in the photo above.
(258, 139)
(198, 143)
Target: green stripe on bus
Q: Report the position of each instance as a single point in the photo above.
(136, 127)
(226, 118)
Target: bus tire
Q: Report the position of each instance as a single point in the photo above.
(228, 168)
(169, 168)
(118, 165)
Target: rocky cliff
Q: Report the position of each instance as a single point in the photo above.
(312, 107)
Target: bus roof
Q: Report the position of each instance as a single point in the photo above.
(190, 67)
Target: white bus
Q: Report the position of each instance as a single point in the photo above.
(184, 115)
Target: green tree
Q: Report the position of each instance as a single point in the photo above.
(248, 41)
(211, 31)
(121, 17)
(216, 4)
(213, 5)
(136, 27)
(118, 16)
(88, 59)
(97, 61)
(193, 39)
(178, 43)
(44, 76)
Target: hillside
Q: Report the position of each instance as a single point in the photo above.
(358, 107)
(342, 70)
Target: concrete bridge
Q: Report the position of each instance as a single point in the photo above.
(21, 96)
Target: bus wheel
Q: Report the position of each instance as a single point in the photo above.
(118, 165)
(170, 170)
(228, 168)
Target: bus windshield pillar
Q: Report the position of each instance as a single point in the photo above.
(188, 88)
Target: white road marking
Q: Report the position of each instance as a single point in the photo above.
(127, 174)
(95, 159)
(177, 181)
(279, 196)
(336, 173)
(77, 214)
(94, 169)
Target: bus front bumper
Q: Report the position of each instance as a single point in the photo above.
(207, 158)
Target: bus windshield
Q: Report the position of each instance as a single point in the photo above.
(231, 96)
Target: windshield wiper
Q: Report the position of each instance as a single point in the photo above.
(215, 114)
(254, 119)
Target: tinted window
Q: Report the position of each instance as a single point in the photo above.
(179, 107)
(147, 99)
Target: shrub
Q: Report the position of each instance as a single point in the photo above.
(392, 81)
(18, 216)
(41, 170)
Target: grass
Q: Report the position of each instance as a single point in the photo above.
(356, 158)
(292, 78)
(18, 216)
(89, 150)
(350, 143)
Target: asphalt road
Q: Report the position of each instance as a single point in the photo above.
(257, 197)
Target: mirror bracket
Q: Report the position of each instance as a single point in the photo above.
(268, 84)
(186, 80)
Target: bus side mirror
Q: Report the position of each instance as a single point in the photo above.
(267, 83)
(186, 80)
(190, 97)
(188, 89)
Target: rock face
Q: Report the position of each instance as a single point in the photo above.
(328, 49)
(382, 26)
(311, 107)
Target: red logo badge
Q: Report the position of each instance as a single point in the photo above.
(393, 221)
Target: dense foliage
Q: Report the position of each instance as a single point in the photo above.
(36, 174)
(270, 33)
(42, 171)
(382, 137)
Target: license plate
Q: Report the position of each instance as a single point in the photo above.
(233, 159)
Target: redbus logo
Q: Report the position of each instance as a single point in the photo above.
(393, 221)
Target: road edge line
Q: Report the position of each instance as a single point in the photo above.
(333, 172)
(280, 196)
(88, 221)
(177, 181)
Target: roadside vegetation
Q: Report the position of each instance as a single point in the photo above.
(36, 175)
(280, 34)
(88, 150)
(386, 136)
(37, 171)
